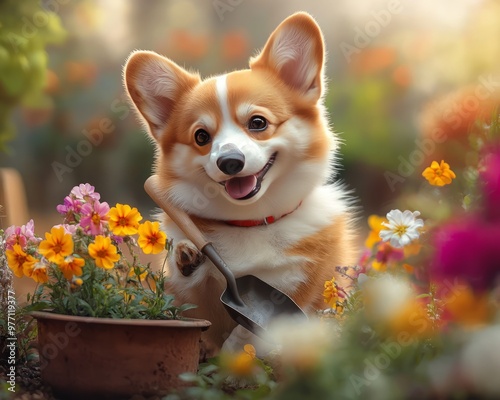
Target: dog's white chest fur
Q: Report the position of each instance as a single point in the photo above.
(262, 250)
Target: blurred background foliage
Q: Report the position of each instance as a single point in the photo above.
(390, 65)
(25, 31)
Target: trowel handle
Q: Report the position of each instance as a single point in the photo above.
(181, 219)
(186, 224)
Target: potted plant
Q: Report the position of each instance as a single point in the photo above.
(106, 326)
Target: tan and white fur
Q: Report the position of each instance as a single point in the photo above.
(273, 108)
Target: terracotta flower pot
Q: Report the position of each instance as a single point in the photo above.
(94, 358)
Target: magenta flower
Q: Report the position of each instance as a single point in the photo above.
(94, 217)
(491, 186)
(468, 250)
(85, 192)
(22, 235)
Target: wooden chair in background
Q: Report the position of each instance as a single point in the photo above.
(14, 211)
(13, 202)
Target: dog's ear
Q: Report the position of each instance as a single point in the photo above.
(154, 83)
(295, 51)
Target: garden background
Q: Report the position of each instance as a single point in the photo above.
(388, 62)
(397, 70)
(409, 83)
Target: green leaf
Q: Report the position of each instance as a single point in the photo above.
(187, 306)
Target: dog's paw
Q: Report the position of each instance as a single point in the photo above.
(187, 257)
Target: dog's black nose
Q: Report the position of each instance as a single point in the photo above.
(231, 163)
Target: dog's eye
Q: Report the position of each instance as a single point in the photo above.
(202, 137)
(257, 124)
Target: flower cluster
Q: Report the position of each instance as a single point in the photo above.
(392, 242)
(424, 297)
(81, 264)
(334, 296)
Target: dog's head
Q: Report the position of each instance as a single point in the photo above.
(248, 143)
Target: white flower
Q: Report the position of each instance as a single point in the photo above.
(403, 227)
(386, 295)
(301, 344)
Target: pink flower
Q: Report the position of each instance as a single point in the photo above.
(70, 229)
(94, 217)
(85, 192)
(70, 207)
(117, 239)
(22, 235)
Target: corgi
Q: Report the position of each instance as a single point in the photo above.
(249, 156)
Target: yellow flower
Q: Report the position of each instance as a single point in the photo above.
(151, 239)
(439, 174)
(330, 294)
(57, 245)
(103, 252)
(124, 220)
(379, 266)
(78, 281)
(37, 270)
(17, 258)
(375, 224)
(241, 364)
(75, 283)
(71, 266)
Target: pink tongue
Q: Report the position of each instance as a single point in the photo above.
(238, 188)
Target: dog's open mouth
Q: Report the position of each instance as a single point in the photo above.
(245, 187)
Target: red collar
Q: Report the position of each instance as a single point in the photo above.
(248, 223)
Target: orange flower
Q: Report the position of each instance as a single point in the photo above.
(373, 60)
(57, 245)
(235, 45)
(469, 308)
(402, 76)
(71, 266)
(124, 220)
(37, 270)
(151, 239)
(439, 174)
(17, 258)
(409, 268)
(413, 320)
(241, 364)
(103, 252)
(330, 294)
(412, 249)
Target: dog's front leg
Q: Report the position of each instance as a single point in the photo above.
(187, 257)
